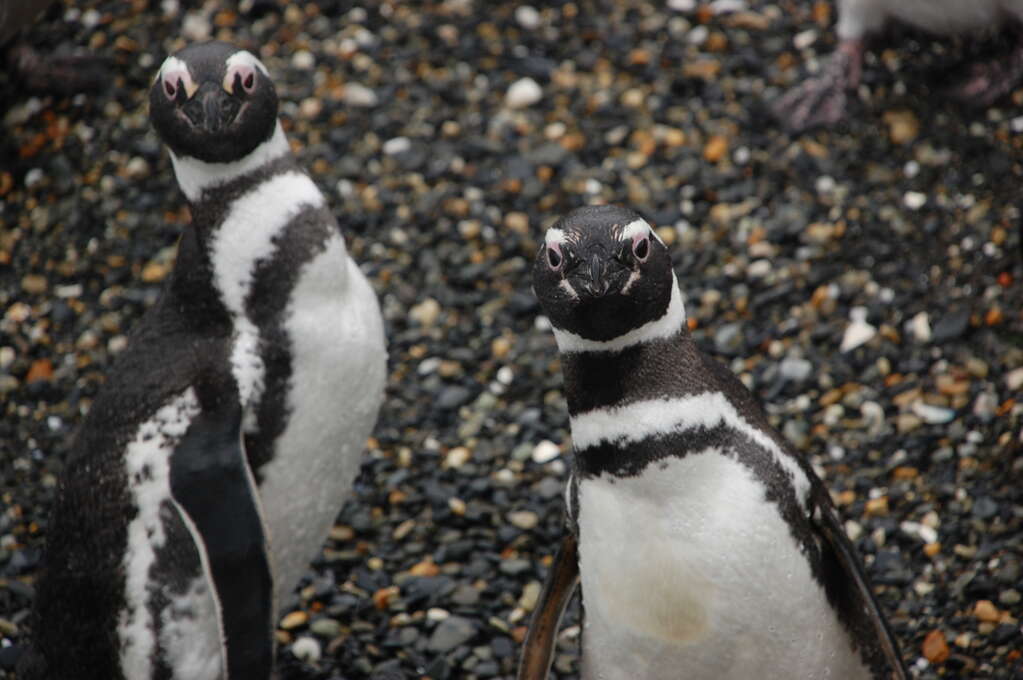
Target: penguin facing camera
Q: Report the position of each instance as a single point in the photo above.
(704, 546)
(214, 460)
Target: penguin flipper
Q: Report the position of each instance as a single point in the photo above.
(538, 648)
(847, 587)
(216, 496)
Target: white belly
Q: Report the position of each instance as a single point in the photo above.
(942, 17)
(689, 572)
(336, 387)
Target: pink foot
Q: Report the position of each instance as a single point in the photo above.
(821, 100)
(991, 80)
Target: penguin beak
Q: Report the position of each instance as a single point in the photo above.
(598, 283)
(212, 108)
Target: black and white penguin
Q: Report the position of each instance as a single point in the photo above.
(212, 464)
(705, 547)
(821, 100)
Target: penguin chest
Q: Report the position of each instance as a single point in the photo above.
(328, 401)
(688, 569)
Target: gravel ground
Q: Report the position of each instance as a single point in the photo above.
(865, 282)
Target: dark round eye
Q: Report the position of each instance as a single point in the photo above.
(641, 248)
(554, 257)
(249, 83)
(169, 89)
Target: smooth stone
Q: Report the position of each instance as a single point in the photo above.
(450, 633)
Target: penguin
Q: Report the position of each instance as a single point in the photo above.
(213, 462)
(821, 100)
(703, 545)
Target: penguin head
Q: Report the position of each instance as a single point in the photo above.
(213, 102)
(602, 272)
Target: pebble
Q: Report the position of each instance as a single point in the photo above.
(920, 327)
(527, 17)
(985, 610)
(524, 519)
(396, 145)
(1014, 380)
(303, 59)
(935, 647)
(426, 312)
(914, 200)
(295, 619)
(934, 415)
(307, 649)
(858, 332)
(325, 628)
(523, 93)
(451, 633)
(795, 369)
(545, 452)
(360, 96)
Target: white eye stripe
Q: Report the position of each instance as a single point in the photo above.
(554, 236)
(245, 58)
(639, 228)
(171, 65)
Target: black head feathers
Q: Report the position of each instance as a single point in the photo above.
(213, 102)
(602, 273)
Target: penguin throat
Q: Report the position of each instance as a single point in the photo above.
(195, 176)
(673, 319)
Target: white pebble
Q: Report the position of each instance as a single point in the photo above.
(33, 177)
(437, 614)
(303, 59)
(804, 39)
(858, 332)
(505, 375)
(727, 6)
(825, 184)
(920, 327)
(698, 35)
(522, 93)
(1017, 124)
(360, 96)
(527, 17)
(1014, 379)
(90, 18)
(873, 416)
(195, 26)
(524, 519)
(914, 200)
(935, 415)
(306, 649)
(397, 145)
(911, 169)
(546, 451)
(682, 5)
(758, 269)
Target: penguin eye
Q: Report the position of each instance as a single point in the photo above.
(249, 83)
(169, 89)
(641, 248)
(554, 257)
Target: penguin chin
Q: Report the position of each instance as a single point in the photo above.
(606, 317)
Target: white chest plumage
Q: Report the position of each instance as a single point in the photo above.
(941, 17)
(335, 343)
(687, 570)
(335, 391)
(334, 340)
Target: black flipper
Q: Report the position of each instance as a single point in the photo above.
(538, 649)
(849, 590)
(212, 486)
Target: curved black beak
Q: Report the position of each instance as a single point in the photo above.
(599, 282)
(212, 108)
